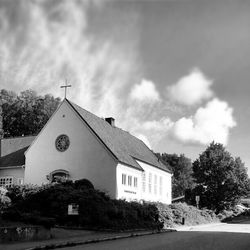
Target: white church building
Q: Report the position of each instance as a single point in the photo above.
(76, 144)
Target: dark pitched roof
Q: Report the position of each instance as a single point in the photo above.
(125, 147)
(12, 150)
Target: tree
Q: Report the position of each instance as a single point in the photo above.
(182, 172)
(26, 113)
(221, 179)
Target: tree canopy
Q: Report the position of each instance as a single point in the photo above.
(182, 172)
(26, 113)
(221, 179)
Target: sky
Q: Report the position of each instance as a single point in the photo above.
(173, 73)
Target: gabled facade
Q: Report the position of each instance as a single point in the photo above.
(76, 144)
(12, 159)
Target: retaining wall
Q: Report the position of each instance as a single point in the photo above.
(24, 233)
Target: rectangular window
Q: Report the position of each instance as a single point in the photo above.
(149, 182)
(124, 177)
(160, 185)
(155, 184)
(6, 181)
(143, 182)
(130, 180)
(135, 182)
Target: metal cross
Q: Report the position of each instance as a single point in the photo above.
(65, 88)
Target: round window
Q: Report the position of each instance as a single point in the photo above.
(62, 143)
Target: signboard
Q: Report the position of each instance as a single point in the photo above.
(73, 209)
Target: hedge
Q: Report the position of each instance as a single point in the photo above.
(96, 209)
(175, 214)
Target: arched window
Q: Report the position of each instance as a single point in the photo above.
(59, 175)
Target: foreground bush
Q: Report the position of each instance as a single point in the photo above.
(177, 213)
(96, 209)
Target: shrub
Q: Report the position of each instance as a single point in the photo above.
(96, 209)
(4, 199)
(36, 219)
(172, 215)
(83, 184)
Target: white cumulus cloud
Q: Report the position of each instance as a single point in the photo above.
(191, 89)
(145, 92)
(210, 123)
(161, 125)
(144, 139)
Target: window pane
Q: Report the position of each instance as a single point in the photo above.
(123, 179)
(155, 184)
(130, 180)
(135, 181)
(144, 182)
(6, 181)
(149, 182)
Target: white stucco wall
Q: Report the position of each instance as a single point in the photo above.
(16, 173)
(166, 191)
(86, 156)
(125, 191)
(136, 193)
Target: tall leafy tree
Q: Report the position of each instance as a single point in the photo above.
(26, 113)
(182, 172)
(221, 179)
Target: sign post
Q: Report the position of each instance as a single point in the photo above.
(197, 199)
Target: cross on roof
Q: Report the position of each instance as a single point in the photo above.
(65, 88)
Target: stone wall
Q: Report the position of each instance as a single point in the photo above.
(24, 233)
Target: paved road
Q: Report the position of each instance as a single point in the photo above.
(219, 237)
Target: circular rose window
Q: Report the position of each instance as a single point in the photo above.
(62, 143)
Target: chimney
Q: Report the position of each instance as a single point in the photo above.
(110, 120)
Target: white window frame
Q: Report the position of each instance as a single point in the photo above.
(6, 181)
(160, 185)
(124, 177)
(155, 184)
(135, 182)
(129, 180)
(144, 182)
(150, 182)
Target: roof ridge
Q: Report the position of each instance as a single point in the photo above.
(72, 103)
(121, 143)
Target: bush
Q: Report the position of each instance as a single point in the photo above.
(35, 219)
(172, 215)
(83, 184)
(96, 209)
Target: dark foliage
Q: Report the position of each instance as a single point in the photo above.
(96, 209)
(83, 184)
(221, 179)
(26, 113)
(182, 172)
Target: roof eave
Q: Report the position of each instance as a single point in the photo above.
(112, 153)
(163, 169)
(139, 168)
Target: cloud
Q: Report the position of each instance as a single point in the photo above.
(144, 139)
(49, 41)
(145, 92)
(210, 123)
(191, 89)
(164, 124)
